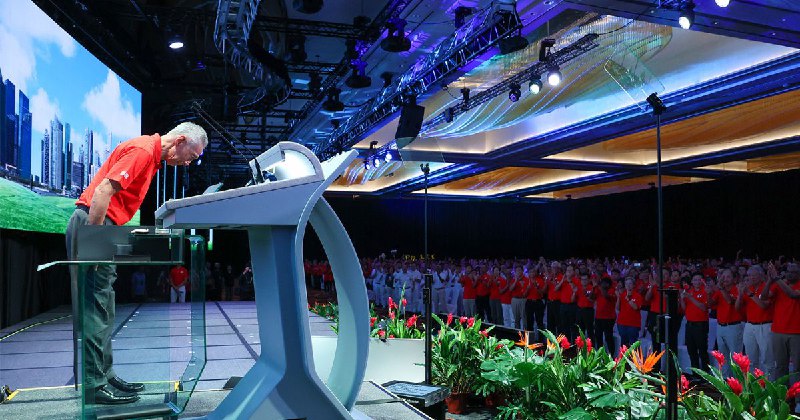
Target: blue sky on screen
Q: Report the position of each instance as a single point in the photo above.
(61, 78)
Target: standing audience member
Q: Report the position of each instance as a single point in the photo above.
(587, 294)
(756, 301)
(694, 301)
(605, 313)
(519, 295)
(786, 325)
(177, 281)
(629, 318)
(730, 319)
(482, 293)
(534, 305)
(469, 282)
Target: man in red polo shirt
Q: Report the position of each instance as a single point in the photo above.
(694, 301)
(786, 324)
(605, 314)
(758, 312)
(534, 305)
(730, 319)
(587, 294)
(518, 287)
(112, 198)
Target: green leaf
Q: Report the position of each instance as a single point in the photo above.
(608, 399)
(577, 413)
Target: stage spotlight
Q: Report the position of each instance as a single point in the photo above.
(307, 6)
(176, 42)
(358, 80)
(333, 104)
(367, 165)
(396, 40)
(722, 3)
(388, 157)
(376, 162)
(554, 77)
(461, 14)
(314, 83)
(387, 79)
(686, 18)
(544, 48)
(535, 85)
(514, 93)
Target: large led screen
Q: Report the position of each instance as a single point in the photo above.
(62, 111)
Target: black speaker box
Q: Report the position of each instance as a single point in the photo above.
(410, 121)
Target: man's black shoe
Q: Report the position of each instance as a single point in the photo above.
(106, 394)
(121, 385)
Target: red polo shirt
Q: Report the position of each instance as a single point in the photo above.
(583, 299)
(726, 312)
(693, 312)
(132, 164)
(552, 293)
(494, 288)
(482, 289)
(178, 276)
(469, 291)
(505, 297)
(606, 307)
(628, 316)
(566, 289)
(533, 293)
(752, 312)
(787, 310)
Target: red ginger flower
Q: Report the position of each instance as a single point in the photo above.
(462, 320)
(404, 302)
(579, 342)
(793, 392)
(588, 345)
(720, 358)
(470, 322)
(484, 333)
(622, 349)
(760, 374)
(735, 385)
(684, 384)
(564, 343)
(381, 333)
(411, 321)
(372, 321)
(391, 315)
(392, 305)
(743, 362)
(498, 346)
(391, 335)
(449, 318)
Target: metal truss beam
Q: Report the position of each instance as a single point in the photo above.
(307, 27)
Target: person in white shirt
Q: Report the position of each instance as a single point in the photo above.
(438, 292)
(414, 290)
(378, 284)
(402, 281)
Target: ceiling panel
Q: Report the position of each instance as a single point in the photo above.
(616, 187)
(507, 179)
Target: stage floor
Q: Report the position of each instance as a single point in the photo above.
(152, 336)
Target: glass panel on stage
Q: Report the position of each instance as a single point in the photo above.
(159, 345)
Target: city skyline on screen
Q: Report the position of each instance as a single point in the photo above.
(71, 97)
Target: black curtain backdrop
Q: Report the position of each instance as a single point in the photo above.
(24, 292)
(755, 213)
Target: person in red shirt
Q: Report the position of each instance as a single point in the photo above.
(605, 313)
(587, 294)
(113, 196)
(730, 319)
(469, 281)
(496, 281)
(553, 278)
(568, 293)
(177, 281)
(694, 301)
(758, 312)
(534, 305)
(482, 292)
(519, 295)
(504, 284)
(629, 318)
(786, 325)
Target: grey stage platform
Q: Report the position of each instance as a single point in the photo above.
(41, 357)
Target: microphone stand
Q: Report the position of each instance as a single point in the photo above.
(256, 175)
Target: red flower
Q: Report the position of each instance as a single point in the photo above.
(578, 342)
(404, 302)
(391, 335)
(392, 305)
(412, 321)
(588, 345)
(564, 343)
(622, 349)
(793, 392)
(381, 333)
(735, 386)
(720, 358)
(484, 333)
(372, 322)
(684, 383)
(470, 322)
(391, 315)
(760, 374)
(498, 346)
(462, 320)
(449, 318)
(743, 362)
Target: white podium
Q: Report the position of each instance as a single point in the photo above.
(283, 383)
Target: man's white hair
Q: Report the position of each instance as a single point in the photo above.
(193, 132)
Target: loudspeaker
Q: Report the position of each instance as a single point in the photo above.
(410, 122)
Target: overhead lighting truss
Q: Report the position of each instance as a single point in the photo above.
(232, 30)
(476, 37)
(562, 56)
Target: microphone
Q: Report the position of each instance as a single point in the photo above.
(256, 175)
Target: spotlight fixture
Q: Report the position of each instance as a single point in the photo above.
(333, 104)
(388, 157)
(295, 49)
(535, 85)
(461, 14)
(387, 79)
(686, 18)
(314, 83)
(514, 93)
(358, 80)
(545, 48)
(511, 44)
(376, 162)
(176, 42)
(554, 76)
(722, 3)
(465, 97)
(396, 40)
(307, 6)
(366, 164)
